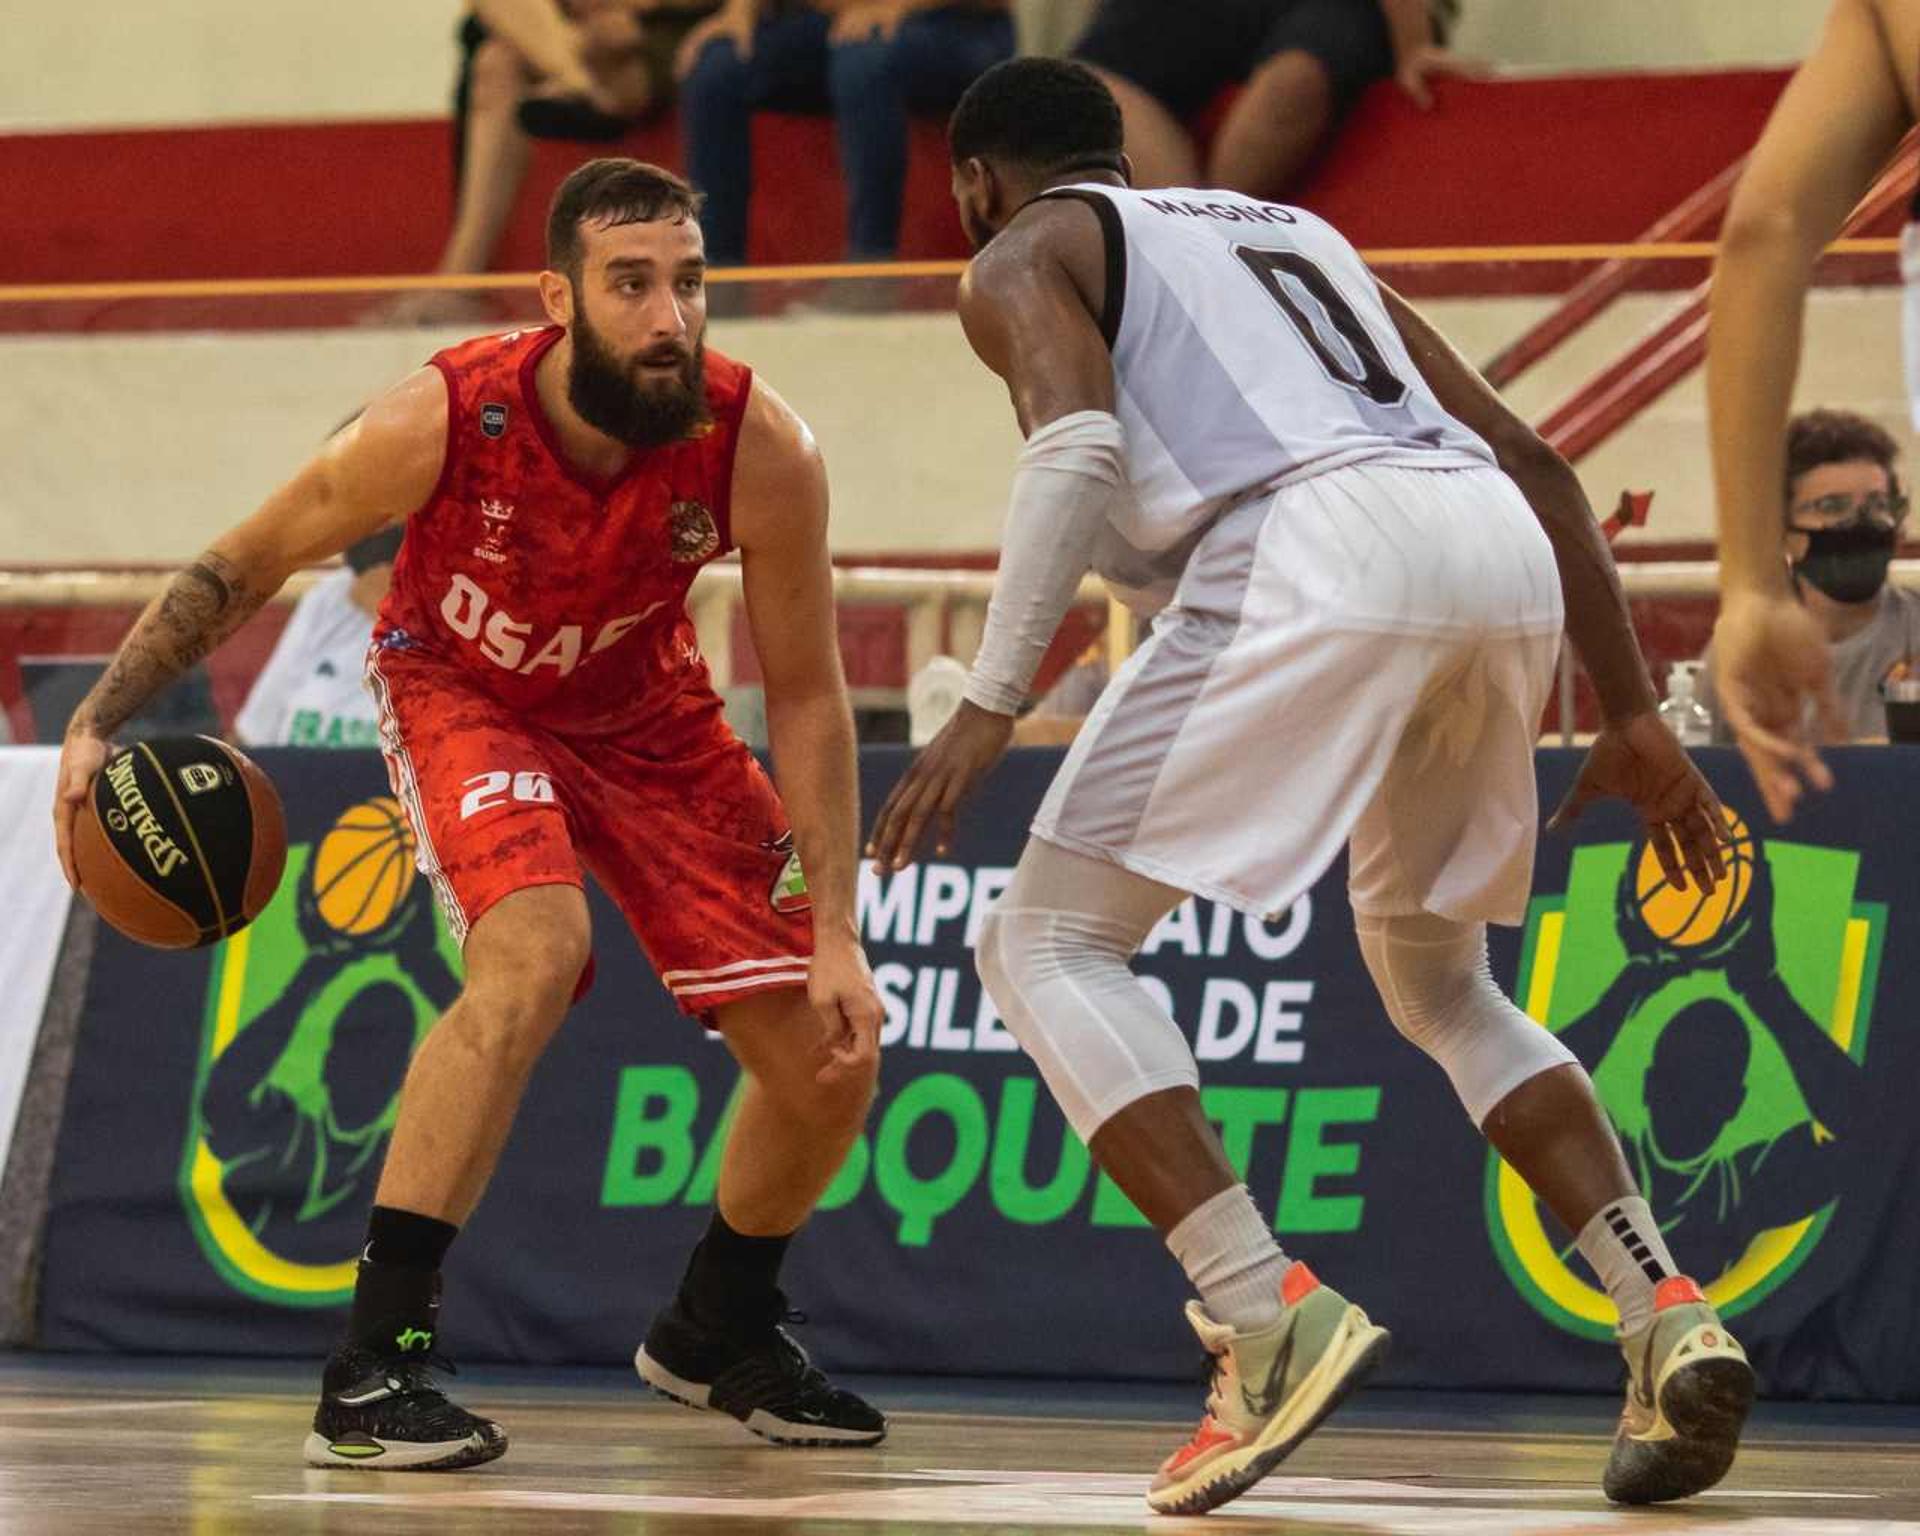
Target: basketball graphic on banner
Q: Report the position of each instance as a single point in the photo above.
(364, 867)
(1690, 916)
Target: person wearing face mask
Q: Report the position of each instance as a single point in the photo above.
(1845, 513)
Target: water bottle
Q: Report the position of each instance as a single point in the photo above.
(933, 696)
(1685, 715)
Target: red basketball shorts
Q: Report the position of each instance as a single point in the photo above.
(692, 844)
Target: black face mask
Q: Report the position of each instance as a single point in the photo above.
(1849, 564)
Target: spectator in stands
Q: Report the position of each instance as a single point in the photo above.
(1845, 512)
(311, 692)
(869, 62)
(1302, 63)
(1058, 714)
(574, 69)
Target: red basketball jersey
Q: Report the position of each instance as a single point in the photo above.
(562, 595)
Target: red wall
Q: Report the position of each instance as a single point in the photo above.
(1565, 159)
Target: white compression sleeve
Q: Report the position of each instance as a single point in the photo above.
(1067, 476)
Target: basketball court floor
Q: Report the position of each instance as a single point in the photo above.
(211, 1449)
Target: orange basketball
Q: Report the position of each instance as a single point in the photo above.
(182, 841)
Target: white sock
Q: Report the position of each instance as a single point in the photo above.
(1624, 1246)
(1229, 1253)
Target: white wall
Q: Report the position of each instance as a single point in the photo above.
(141, 447)
(1613, 34)
(101, 63)
(135, 448)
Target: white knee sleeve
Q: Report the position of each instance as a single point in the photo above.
(1439, 990)
(1061, 983)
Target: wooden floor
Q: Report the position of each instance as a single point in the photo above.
(212, 1450)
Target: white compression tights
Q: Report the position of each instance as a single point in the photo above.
(1434, 978)
(1053, 954)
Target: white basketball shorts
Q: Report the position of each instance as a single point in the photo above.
(1363, 655)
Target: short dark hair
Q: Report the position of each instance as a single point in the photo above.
(611, 192)
(1040, 113)
(1835, 437)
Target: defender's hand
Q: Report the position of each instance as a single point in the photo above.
(1640, 762)
(82, 755)
(1769, 659)
(942, 776)
(840, 987)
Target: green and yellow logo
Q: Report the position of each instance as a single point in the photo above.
(1727, 1034)
(312, 1014)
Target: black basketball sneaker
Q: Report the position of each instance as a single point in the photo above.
(383, 1412)
(756, 1373)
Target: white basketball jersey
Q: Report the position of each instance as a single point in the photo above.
(1250, 346)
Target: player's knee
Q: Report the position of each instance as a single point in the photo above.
(1434, 979)
(833, 1107)
(521, 976)
(1006, 946)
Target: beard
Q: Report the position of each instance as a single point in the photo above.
(643, 413)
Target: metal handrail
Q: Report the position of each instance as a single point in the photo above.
(108, 587)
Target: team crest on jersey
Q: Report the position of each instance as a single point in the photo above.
(498, 516)
(691, 531)
(789, 893)
(493, 419)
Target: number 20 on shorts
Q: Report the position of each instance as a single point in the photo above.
(487, 790)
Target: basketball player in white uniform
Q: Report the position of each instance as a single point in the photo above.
(1358, 618)
(1836, 124)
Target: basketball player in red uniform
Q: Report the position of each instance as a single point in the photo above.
(544, 710)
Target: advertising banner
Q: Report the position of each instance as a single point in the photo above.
(229, 1111)
(33, 915)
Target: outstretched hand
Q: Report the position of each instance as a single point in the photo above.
(943, 775)
(1640, 761)
(1770, 661)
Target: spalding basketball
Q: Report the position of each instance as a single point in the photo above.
(364, 867)
(1685, 918)
(181, 842)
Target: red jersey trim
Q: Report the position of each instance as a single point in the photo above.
(731, 419)
(447, 453)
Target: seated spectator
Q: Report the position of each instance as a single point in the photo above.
(1845, 511)
(1303, 64)
(868, 62)
(529, 69)
(312, 692)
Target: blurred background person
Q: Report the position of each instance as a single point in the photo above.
(570, 69)
(311, 693)
(870, 63)
(1845, 510)
(1303, 63)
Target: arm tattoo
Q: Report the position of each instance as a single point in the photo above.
(200, 607)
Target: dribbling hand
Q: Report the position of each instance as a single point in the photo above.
(82, 755)
(1640, 761)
